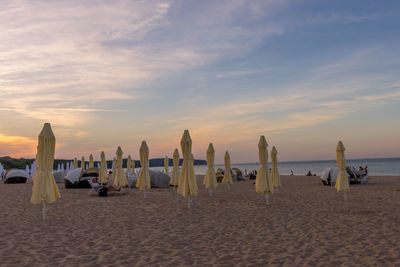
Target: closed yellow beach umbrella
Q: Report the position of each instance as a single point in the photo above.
(75, 163)
(120, 177)
(143, 182)
(91, 163)
(166, 165)
(133, 166)
(103, 169)
(210, 179)
(175, 169)
(83, 163)
(263, 181)
(342, 182)
(276, 179)
(187, 181)
(129, 164)
(228, 175)
(45, 189)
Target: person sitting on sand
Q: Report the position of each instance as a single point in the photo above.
(309, 173)
(291, 173)
(96, 186)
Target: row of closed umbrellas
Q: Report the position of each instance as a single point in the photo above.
(45, 189)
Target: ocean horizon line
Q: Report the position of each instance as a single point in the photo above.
(316, 161)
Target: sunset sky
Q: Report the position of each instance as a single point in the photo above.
(305, 74)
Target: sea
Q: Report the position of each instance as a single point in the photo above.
(376, 166)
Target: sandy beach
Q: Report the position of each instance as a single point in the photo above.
(306, 223)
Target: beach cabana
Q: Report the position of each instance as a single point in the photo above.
(159, 179)
(220, 174)
(329, 175)
(45, 189)
(15, 176)
(210, 179)
(187, 181)
(78, 178)
(59, 176)
(237, 174)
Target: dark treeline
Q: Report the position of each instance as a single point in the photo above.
(12, 163)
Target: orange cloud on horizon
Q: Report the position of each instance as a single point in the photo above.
(17, 146)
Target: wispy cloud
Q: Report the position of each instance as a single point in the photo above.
(237, 73)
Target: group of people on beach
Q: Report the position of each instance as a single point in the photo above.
(360, 169)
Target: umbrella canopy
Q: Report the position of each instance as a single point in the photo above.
(263, 180)
(45, 189)
(187, 180)
(120, 177)
(276, 179)
(210, 180)
(175, 169)
(228, 175)
(166, 165)
(129, 164)
(75, 163)
(83, 163)
(91, 163)
(342, 182)
(143, 182)
(103, 169)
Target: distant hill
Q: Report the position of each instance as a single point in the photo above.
(12, 163)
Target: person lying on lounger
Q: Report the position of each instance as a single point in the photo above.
(96, 186)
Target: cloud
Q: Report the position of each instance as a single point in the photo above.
(17, 146)
(239, 73)
(71, 55)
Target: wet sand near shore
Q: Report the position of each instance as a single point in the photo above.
(305, 223)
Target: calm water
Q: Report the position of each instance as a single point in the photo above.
(381, 166)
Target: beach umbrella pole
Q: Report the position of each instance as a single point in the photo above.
(144, 193)
(345, 197)
(44, 211)
(210, 192)
(266, 198)
(189, 202)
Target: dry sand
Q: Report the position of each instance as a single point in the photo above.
(305, 224)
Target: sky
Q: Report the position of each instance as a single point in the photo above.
(305, 74)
